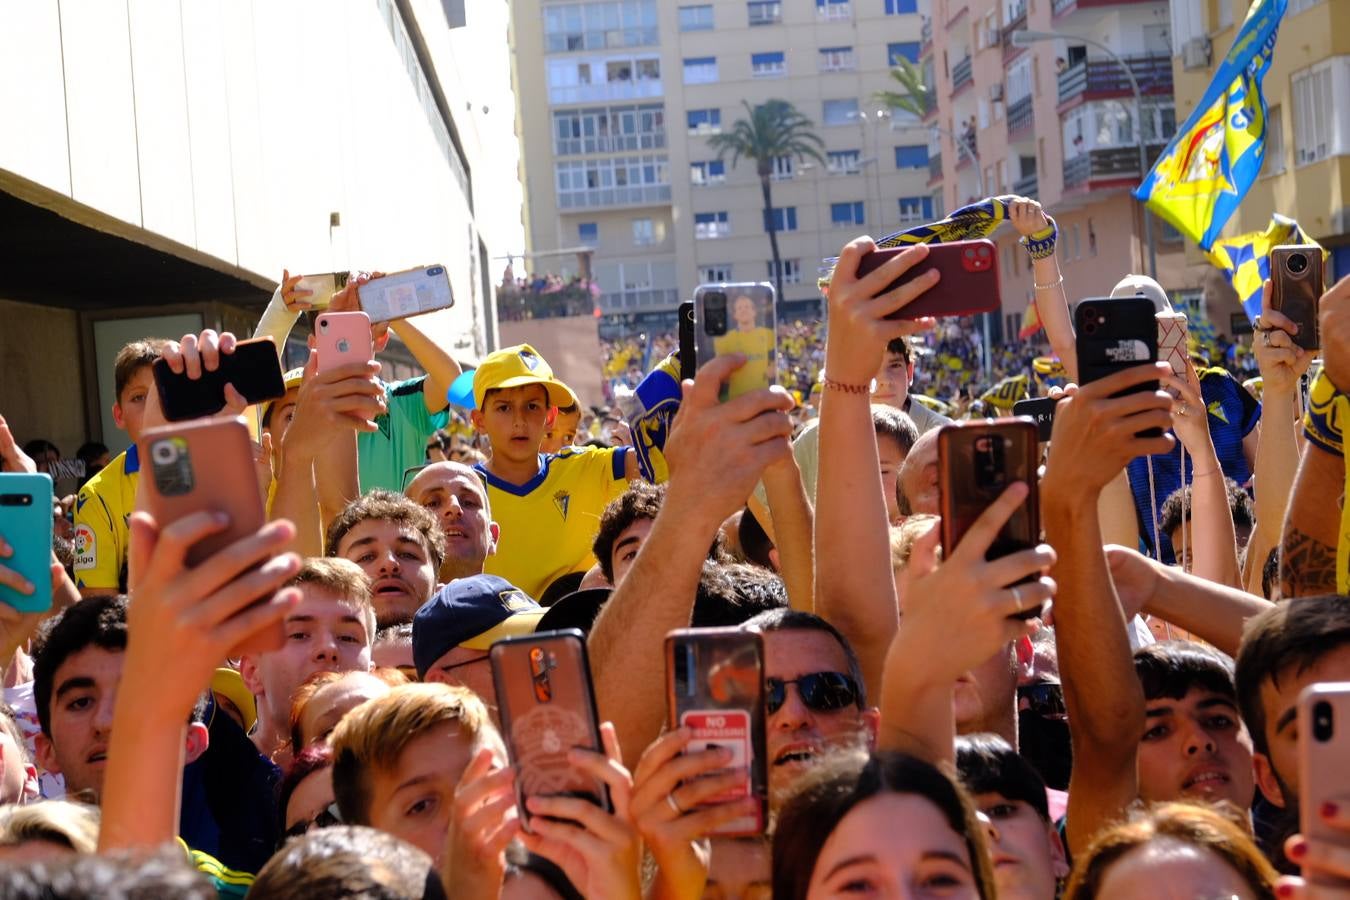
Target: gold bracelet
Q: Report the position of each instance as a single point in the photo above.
(1046, 287)
(1195, 474)
(831, 384)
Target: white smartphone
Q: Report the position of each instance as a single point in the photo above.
(405, 294)
(322, 288)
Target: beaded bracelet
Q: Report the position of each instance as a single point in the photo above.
(831, 384)
(1041, 245)
(1322, 424)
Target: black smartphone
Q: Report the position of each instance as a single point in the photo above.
(688, 354)
(1116, 333)
(1040, 410)
(253, 369)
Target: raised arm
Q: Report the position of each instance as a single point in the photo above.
(1212, 537)
(716, 452)
(793, 526)
(1095, 435)
(1052, 303)
(855, 586)
(1312, 524)
(441, 368)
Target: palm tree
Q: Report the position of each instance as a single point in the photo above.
(913, 95)
(773, 129)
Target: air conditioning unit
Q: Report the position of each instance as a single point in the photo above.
(1195, 53)
(996, 92)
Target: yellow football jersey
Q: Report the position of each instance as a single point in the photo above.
(549, 524)
(101, 511)
(757, 345)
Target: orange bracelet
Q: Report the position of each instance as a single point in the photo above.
(831, 384)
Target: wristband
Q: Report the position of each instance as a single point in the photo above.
(832, 385)
(1323, 424)
(1041, 245)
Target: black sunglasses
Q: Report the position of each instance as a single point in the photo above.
(327, 817)
(820, 691)
(1045, 700)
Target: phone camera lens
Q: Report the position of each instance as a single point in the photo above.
(1323, 721)
(970, 253)
(323, 324)
(164, 453)
(1298, 263)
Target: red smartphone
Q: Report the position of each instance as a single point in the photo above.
(547, 707)
(342, 338)
(977, 460)
(202, 465)
(1323, 747)
(1296, 288)
(969, 283)
(253, 368)
(715, 687)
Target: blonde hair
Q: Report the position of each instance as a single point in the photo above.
(63, 822)
(375, 734)
(903, 537)
(343, 578)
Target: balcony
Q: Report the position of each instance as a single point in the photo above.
(639, 298)
(1019, 21)
(1108, 167)
(1093, 78)
(1064, 7)
(631, 195)
(925, 35)
(616, 143)
(934, 167)
(961, 74)
(1021, 114)
(1027, 186)
(641, 89)
(834, 12)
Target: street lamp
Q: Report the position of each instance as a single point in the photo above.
(1025, 38)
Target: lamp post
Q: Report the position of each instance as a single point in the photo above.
(1025, 38)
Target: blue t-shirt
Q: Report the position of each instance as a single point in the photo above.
(1233, 413)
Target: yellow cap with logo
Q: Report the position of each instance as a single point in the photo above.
(518, 366)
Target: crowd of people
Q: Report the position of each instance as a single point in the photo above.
(313, 707)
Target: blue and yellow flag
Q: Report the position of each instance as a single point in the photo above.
(1246, 259)
(1217, 153)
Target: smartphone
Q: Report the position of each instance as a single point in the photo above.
(547, 707)
(687, 351)
(977, 460)
(253, 368)
(1115, 333)
(1323, 747)
(407, 293)
(322, 287)
(342, 338)
(202, 465)
(738, 318)
(969, 283)
(26, 525)
(1173, 335)
(1040, 410)
(1296, 285)
(715, 688)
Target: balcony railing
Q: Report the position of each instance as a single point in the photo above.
(961, 74)
(1027, 186)
(1021, 114)
(1107, 164)
(615, 143)
(934, 167)
(641, 89)
(1105, 77)
(632, 195)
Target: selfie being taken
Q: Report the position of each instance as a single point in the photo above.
(675, 450)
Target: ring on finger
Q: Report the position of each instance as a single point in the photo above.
(1265, 338)
(1017, 596)
(674, 804)
(1181, 411)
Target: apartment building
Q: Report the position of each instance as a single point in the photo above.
(617, 101)
(1306, 173)
(1055, 120)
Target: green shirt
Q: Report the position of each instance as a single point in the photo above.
(401, 443)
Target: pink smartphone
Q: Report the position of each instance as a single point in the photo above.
(342, 338)
(1323, 742)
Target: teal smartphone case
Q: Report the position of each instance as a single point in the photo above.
(26, 525)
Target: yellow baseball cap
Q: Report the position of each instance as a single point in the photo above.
(518, 366)
(230, 684)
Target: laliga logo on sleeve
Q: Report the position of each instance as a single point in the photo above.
(85, 548)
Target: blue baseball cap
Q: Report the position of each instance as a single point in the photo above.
(474, 613)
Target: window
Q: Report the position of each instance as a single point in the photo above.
(765, 12)
(1321, 98)
(609, 25)
(792, 271)
(901, 7)
(609, 129)
(784, 167)
(907, 49)
(700, 70)
(847, 213)
(588, 232)
(843, 162)
(1188, 23)
(784, 218)
(1298, 6)
(704, 121)
(837, 59)
(715, 273)
(599, 79)
(1019, 80)
(612, 181)
(916, 209)
(644, 233)
(840, 112)
(833, 9)
(696, 18)
(711, 225)
(911, 156)
(712, 171)
(1274, 140)
(768, 65)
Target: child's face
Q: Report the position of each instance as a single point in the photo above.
(562, 433)
(413, 800)
(514, 420)
(129, 410)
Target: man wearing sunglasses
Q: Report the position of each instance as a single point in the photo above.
(814, 699)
